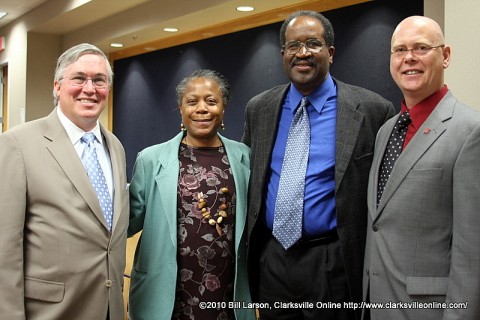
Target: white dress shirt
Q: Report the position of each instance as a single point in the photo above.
(75, 134)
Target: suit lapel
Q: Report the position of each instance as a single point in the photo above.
(424, 138)
(267, 131)
(272, 115)
(348, 125)
(167, 181)
(64, 153)
(380, 146)
(240, 170)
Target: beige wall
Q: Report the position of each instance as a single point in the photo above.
(463, 34)
(15, 56)
(458, 19)
(43, 50)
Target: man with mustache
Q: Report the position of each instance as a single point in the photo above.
(306, 236)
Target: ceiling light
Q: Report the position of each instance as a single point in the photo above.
(2, 14)
(116, 45)
(170, 29)
(245, 8)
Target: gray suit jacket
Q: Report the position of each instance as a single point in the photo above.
(360, 113)
(423, 241)
(57, 258)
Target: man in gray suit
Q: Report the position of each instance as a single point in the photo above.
(62, 254)
(325, 263)
(423, 241)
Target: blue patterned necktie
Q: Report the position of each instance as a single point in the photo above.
(97, 178)
(392, 152)
(287, 224)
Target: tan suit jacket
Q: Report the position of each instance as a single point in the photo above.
(57, 258)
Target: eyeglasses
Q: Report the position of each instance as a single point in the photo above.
(418, 50)
(311, 45)
(99, 82)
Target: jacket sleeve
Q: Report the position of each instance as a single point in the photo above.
(464, 279)
(13, 197)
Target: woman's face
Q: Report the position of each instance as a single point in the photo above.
(202, 111)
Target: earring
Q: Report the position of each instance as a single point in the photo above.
(182, 127)
(222, 125)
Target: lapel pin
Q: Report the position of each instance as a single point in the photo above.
(426, 130)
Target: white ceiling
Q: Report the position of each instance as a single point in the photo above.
(16, 8)
(132, 22)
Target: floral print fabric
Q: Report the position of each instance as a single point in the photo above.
(206, 252)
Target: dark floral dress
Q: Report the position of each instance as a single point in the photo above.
(206, 239)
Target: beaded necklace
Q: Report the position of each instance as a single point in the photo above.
(219, 217)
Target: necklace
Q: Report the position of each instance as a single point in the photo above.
(219, 217)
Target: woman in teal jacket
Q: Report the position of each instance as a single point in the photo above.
(188, 195)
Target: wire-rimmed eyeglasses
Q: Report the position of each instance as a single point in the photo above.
(311, 45)
(418, 50)
(99, 82)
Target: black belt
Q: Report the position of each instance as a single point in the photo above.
(310, 242)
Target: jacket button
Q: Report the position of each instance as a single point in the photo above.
(375, 228)
(108, 283)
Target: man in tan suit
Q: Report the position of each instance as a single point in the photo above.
(61, 255)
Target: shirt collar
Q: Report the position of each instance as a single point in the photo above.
(75, 133)
(317, 98)
(420, 112)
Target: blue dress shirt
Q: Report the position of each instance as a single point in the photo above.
(319, 200)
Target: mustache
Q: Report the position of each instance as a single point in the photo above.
(310, 61)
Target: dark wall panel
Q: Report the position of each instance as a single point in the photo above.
(145, 109)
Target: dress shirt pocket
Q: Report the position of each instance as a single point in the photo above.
(44, 290)
(427, 285)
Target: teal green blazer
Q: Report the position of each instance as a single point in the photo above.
(153, 209)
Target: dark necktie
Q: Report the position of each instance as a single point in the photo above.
(392, 152)
(97, 178)
(287, 222)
